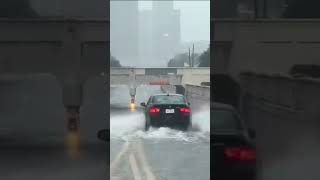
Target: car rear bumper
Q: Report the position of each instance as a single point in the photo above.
(235, 172)
(158, 122)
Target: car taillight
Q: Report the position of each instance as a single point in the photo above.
(185, 110)
(154, 110)
(240, 154)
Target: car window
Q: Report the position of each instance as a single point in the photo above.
(164, 99)
(225, 120)
(149, 100)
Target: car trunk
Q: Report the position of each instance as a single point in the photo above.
(172, 111)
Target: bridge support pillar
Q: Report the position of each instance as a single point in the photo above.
(72, 100)
(133, 94)
(72, 118)
(180, 89)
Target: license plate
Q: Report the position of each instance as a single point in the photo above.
(169, 111)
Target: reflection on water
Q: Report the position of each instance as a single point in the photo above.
(72, 145)
(133, 107)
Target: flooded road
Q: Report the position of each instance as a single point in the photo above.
(160, 153)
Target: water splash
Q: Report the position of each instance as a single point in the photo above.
(126, 127)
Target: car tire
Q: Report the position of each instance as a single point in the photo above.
(147, 126)
(186, 127)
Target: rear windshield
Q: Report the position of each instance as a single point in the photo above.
(224, 120)
(164, 99)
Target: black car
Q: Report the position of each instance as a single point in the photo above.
(232, 147)
(167, 110)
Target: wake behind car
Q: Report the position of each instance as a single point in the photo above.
(167, 110)
(234, 154)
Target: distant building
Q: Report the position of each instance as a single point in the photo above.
(166, 30)
(124, 31)
(140, 37)
(159, 33)
(146, 53)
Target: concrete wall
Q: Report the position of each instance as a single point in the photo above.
(49, 46)
(56, 8)
(269, 46)
(195, 76)
(198, 96)
(176, 76)
(35, 107)
(285, 113)
(168, 88)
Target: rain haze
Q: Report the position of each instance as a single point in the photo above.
(150, 33)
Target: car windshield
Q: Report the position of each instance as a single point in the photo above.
(164, 99)
(224, 120)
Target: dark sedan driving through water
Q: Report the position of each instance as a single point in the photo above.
(167, 110)
(234, 154)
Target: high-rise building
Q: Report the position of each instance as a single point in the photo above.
(159, 33)
(124, 31)
(145, 37)
(165, 30)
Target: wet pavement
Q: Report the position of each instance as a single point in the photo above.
(161, 153)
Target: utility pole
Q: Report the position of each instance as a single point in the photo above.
(189, 58)
(192, 55)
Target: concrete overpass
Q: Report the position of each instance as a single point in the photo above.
(70, 50)
(264, 45)
(178, 77)
(149, 76)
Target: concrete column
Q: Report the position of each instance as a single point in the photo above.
(72, 92)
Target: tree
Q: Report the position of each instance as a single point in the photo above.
(302, 9)
(204, 59)
(114, 62)
(180, 60)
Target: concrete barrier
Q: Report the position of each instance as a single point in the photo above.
(284, 111)
(168, 88)
(198, 96)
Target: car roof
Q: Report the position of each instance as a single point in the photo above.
(166, 94)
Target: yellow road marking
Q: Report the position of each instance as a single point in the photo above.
(134, 167)
(144, 163)
(115, 165)
(137, 160)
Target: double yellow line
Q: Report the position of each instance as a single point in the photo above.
(133, 153)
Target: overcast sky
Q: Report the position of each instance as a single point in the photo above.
(195, 18)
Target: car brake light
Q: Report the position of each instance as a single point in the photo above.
(185, 110)
(154, 110)
(240, 154)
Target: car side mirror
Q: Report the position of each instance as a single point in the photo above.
(104, 135)
(252, 133)
(143, 104)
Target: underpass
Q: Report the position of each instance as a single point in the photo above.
(161, 153)
(33, 140)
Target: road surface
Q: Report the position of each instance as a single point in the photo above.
(160, 154)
